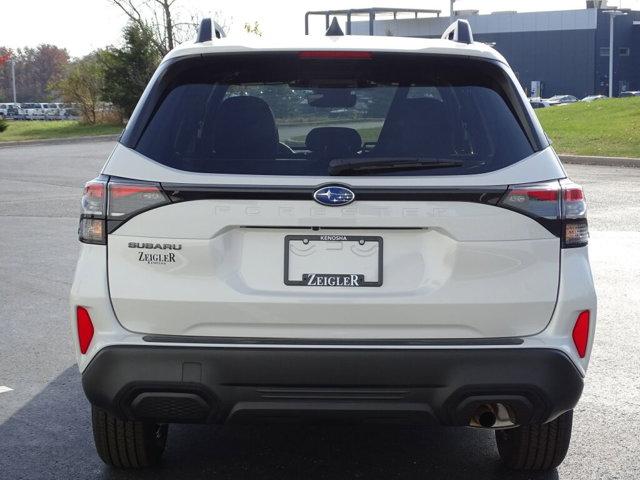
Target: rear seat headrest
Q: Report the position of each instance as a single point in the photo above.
(333, 142)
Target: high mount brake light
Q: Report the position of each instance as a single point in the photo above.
(334, 55)
(106, 205)
(558, 206)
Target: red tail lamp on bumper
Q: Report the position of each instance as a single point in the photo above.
(85, 329)
(581, 333)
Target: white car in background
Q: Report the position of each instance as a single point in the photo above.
(593, 98)
(32, 111)
(425, 261)
(560, 100)
(8, 110)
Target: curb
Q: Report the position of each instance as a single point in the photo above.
(604, 161)
(60, 141)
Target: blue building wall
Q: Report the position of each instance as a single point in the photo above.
(626, 69)
(562, 49)
(563, 60)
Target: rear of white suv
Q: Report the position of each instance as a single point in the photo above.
(358, 229)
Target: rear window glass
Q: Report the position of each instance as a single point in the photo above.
(288, 114)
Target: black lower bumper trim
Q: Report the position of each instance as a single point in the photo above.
(441, 386)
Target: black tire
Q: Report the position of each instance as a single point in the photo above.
(127, 443)
(536, 447)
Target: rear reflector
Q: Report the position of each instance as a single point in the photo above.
(85, 329)
(581, 333)
(333, 55)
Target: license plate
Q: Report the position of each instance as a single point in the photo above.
(333, 261)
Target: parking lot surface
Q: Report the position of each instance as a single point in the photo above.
(45, 429)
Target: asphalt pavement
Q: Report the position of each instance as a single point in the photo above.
(45, 429)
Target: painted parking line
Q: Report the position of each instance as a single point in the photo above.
(4, 389)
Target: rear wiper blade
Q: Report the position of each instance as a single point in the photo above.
(356, 166)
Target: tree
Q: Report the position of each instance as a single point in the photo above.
(167, 28)
(128, 69)
(83, 85)
(36, 68)
(253, 28)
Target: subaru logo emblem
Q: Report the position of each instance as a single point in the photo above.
(334, 195)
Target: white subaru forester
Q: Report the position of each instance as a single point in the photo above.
(357, 227)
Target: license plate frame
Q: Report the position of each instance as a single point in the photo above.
(333, 238)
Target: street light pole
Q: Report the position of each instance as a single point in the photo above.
(612, 16)
(13, 78)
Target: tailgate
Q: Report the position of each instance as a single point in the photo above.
(236, 268)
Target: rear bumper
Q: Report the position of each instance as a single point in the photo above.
(438, 386)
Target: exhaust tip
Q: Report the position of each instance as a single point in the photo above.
(487, 419)
(493, 415)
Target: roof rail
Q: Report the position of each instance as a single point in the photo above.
(459, 31)
(207, 29)
(334, 29)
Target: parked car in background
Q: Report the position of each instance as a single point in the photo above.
(31, 111)
(561, 100)
(537, 102)
(51, 111)
(631, 93)
(592, 98)
(8, 110)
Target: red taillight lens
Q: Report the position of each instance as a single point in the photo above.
(334, 55)
(85, 329)
(93, 198)
(128, 198)
(538, 199)
(581, 333)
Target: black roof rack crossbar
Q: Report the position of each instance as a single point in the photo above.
(368, 12)
(459, 31)
(207, 30)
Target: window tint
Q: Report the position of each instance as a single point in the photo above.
(281, 114)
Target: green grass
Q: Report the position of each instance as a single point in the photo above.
(42, 130)
(609, 127)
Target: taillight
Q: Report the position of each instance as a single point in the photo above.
(335, 55)
(85, 329)
(93, 212)
(574, 215)
(558, 205)
(580, 333)
(106, 205)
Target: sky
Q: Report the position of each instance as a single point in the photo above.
(81, 26)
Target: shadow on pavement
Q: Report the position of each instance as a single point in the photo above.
(50, 437)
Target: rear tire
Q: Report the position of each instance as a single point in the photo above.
(536, 447)
(127, 443)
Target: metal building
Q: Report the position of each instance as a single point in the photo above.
(565, 52)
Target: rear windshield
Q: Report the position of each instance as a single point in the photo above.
(308, 113)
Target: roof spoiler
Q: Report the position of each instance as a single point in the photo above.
(207, 30)
(459, 31)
